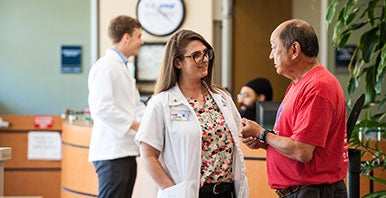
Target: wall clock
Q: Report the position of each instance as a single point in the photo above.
(161, 17)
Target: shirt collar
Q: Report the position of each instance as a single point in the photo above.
(123, 57)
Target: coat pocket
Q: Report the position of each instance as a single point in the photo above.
(176, 191)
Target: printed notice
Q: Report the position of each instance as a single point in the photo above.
(44, 145)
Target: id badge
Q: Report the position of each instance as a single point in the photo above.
(180, 115)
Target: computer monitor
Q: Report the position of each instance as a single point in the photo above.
(266, 113)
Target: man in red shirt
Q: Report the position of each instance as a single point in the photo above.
(307, 150)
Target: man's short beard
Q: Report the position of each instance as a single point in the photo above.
(247, 112)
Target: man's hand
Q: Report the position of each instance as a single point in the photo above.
(250, 128)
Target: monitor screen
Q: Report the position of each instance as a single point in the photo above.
(266, 113)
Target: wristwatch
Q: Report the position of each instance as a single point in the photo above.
(263, 134)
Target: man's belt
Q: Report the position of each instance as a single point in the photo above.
(287, 191)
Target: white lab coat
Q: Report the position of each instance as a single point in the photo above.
(114, 104)
(180, 141)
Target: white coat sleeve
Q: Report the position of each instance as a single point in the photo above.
(152, 127)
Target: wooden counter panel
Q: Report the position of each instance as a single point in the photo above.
(32, 183)
(381, 146)
(77, 173)
(23, 177)
(79, 179)
(365, 186)
(252, 153)
(256, 172)
(19, 144)
(26, 123)
(68, 194)
(258, 180)
(76, 134)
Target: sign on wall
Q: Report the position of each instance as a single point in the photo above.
(71, 59)
(343, 57)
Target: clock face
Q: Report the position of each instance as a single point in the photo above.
(160, 17)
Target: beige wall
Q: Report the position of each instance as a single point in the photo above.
(254, 23)
(308, 11)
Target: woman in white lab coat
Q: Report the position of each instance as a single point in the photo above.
(189, 134)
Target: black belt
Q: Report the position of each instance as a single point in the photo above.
(284, 192)
(217, 188)
(287, 191)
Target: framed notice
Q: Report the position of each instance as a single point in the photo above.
(343, 57)
(148, 62)
(71, 59)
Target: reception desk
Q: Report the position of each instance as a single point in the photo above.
(22, 176)
(256, 172)
(5, 154)
(78, 175)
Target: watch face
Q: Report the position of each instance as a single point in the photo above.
(160, 17)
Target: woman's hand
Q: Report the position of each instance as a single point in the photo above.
(253, 143)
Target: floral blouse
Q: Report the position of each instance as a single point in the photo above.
(217, 142)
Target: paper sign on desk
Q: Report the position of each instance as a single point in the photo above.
(44, 145)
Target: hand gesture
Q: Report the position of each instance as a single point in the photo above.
(253, 143)
(250, 128)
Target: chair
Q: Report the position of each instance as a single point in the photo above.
(354, 168)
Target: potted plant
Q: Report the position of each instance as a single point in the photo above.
(368, 63)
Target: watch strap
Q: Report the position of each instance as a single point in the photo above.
(263, 134)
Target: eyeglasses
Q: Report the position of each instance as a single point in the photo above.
(241, 96)
(198, 56)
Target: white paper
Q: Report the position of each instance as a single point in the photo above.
(45, 145)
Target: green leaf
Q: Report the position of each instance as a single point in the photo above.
(369, 88)
(379, 194)
(380, 75)
(348, 7)
(381, 104)
(343, 40)
(382, 64)
(368, 43)
(356, 26)
(382, 31)
(352, 85)
(351, 16)
(380, 180)
(378, 116)
(339, 25)
(370, 10)
(331, 11)
(340, 16)
(358, 67)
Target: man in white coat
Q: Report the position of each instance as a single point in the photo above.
(116, 109)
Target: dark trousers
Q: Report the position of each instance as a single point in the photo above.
(335, 190)
(219, 190)
(116, 177)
